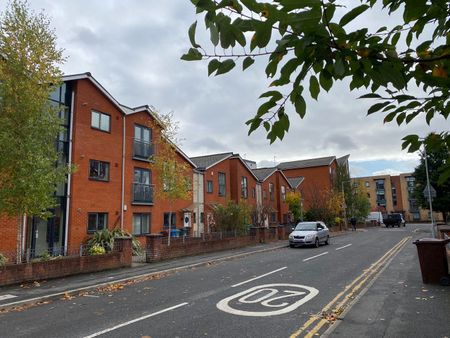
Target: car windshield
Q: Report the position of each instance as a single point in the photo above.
(306, 227)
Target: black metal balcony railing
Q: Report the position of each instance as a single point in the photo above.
(143, 193)
(142, 149)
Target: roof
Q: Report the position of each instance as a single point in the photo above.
(207, 161)
(343, 160)
(245, 164)
(264, 173)
(295, 181)
(314, 162)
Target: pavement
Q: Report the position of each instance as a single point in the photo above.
(396, 304)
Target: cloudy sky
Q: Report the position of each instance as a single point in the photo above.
(133, 49)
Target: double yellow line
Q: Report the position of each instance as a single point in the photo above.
(344, 298)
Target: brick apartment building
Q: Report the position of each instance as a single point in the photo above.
(389, 194)
(114, 186)
(315, 175)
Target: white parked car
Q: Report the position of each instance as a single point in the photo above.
(309, 233)
(376, 217)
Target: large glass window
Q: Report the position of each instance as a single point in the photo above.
(142, 190)
(141, 223)
(271, 191)
(244, 187)
(142, 148)
(98, 170)
(222, 182)
(97, 221)
(283, 193)
(100, 121)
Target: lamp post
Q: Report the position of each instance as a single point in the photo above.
(427, 191)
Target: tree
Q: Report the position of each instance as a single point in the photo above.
(232, 216)
(360, 204)
(29, 61)
(174, 176)
(314, 43)
(437, 160)
(293, 199)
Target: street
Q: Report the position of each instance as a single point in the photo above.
(289, 292)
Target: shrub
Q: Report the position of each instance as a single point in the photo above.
(3, 260)
(96, 249)
(105, 239)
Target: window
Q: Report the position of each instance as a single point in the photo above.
(265, 194)
(97, 221)
(209, 187)
(273, 217)
(202, 217)
(221, 179)
(244, 187)
(271, 191)
(141, 224)
(100, 121)
(253, 192)
(283, 193)
(98, 170)
(166, 220)
(366, 183)
(142, 148)
(142, 190)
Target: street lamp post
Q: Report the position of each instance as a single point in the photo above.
(428, 188)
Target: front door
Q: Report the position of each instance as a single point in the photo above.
(39, 233)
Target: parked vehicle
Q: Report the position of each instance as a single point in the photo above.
(309, 233)
(375, 217)
(392, 220)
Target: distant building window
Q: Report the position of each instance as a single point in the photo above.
(253, 192)
(271, 191)
(97, 221)
(98, 170)
(100, 121)
(283, 193)
(244, 187)
(273, 217)
(209, 186)
(142, 189)
(141, 223)
(265, 194)
(366, 184)
(173, 217)
(222, 182)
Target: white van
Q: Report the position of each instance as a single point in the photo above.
(375, 217)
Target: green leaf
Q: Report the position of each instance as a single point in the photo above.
(214, 35)
(265, 107)
(352, 14)
(266, 125)
(248, 61)
(389, 117)
(429, 116)
(263, 33)
(191, 33)
(314, 88)
(213, 65)
(326, 82)
(370, 96)
(401, 118)
(300, 106)
(376, 107)
(254, 124)
(339, 68)
(274, 94)
(192, 55)
(225, 67)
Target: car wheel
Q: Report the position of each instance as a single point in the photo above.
(316, 243)
(327, 242)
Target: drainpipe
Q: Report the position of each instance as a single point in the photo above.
(69, 178)
(122, 204)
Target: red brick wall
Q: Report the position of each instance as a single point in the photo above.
(267, 201)
(91, 144)
(282, 206)
(8, 235)
(237, 171)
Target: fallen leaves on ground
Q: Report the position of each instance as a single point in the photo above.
(24, 307)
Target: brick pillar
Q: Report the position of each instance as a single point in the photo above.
(281, 232)
(153, 246)
(126, 250)
(262, 234)
(254, 231)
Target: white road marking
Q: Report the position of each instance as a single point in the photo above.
(4, 297)
(135, 320)
(258, 277)
(343, 247)
(323, 253)
(272, 299)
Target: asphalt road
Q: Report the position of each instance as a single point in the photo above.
(282, 293)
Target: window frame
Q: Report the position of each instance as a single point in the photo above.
(209, 184)
(283, 193)
(134, 183)
(244, 187)
(99, 127)
(222, 192)
(173, 220)
(105, 226)
(141, 140)
(271, 191)
(140, 215)
(93, 178)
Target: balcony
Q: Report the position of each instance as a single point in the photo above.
(143, 193)
(142, 150)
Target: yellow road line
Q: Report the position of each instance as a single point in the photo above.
(363, 277)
